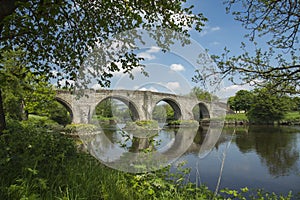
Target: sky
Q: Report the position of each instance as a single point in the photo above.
(172, 72)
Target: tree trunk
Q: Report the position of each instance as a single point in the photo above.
(2, 115)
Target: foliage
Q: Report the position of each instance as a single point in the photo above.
(263, 106)
(58, 113)
(12, 78)
(289, 118)
(37, 28)
(23, 92)
(183, 123)
(241, 101)
(202, 94)
(262, 18)
(106, 108)
(266, 107)
(236, 117)
(163, 113)
(272, 53)
(80, 128)
(112, 109)
(243, 194)
(295, 101)
(42, 122)
(57, 37)
(28, 150)
(142, 125)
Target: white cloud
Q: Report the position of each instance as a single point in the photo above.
(154, 49)
(216, 28)
(173, 85)
(148, 55)
(152, 89)
(120, 73)
(177, 67)
(96, 86)
(203, 32)
(232, 89)
(215, 43)
(206, 30)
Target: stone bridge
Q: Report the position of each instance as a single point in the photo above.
(82, 105)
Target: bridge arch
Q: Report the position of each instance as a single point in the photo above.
(130, 104)
(66, 105)
(201, 111)
(174, 105)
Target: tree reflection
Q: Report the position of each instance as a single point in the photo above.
(276, 146)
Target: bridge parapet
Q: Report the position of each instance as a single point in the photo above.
(141, 103)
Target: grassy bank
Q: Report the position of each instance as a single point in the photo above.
(37, 162)
(290, 118)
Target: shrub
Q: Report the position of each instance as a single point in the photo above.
(26, 146)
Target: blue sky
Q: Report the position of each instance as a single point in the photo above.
(172, 72)
(221, 29)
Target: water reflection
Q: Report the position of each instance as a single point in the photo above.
(257, 157)
(133, 152)
(276, 147)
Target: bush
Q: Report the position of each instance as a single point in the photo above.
(183, 123)
(142, 125)
(80, 128)
(27, 149)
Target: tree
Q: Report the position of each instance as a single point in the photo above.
(106, 108)
(231, 104)
(12, 78)
(272, 23)
(163, 112)
(267, 107)
(57, 36)
(159, 113)
(296, 103)
(24, 93)
(281, 19)
(202, 94)
(243, 100)
(59, 113)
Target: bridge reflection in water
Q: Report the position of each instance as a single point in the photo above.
(131, 152)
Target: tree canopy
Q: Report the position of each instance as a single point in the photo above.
(201, 94)
(280, 19)
(267, 107)
(57, 36)
(241, 101)
(272, 52)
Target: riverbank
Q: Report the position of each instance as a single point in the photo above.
(40, 163)
(290, 118)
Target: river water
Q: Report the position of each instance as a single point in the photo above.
(255, 157)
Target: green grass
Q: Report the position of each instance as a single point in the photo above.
(236, 117)
(293, 117)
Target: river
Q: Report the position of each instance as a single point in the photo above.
(255, 157)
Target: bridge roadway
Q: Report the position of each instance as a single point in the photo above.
(141, 103)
